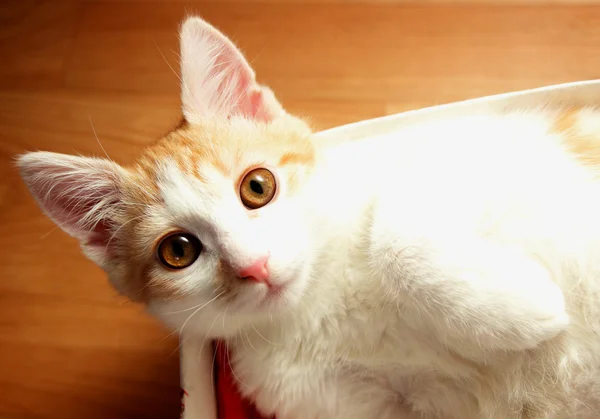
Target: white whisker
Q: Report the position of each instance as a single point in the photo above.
(209, 330)
(224, 313)
(248, 339)
(183, 340)
(198, 309)
(259, 334)
(243, 342)
(98, 139)
(233, 372)
(45, 235)
(120, 227)
(166, 61)
(212, 368)
(188, 309)
(180, 330)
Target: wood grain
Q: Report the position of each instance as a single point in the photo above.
(69, 347)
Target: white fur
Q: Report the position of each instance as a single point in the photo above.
(439, 263)
(449, 273)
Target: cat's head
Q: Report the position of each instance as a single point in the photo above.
(207, 220)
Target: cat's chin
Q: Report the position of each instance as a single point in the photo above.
(263, 303)
(274, 295)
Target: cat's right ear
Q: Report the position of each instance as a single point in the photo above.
(216, 79)
(82, 195)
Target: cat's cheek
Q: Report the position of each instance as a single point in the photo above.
(291, 261)
(175, 314)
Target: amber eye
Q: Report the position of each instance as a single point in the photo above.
(257, 188)
(178, 250)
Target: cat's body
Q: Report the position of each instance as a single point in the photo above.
(511, 189)
(407, 195)
(451, 272)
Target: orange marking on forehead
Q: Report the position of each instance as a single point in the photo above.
(226, 146)
(307, 158)
(187, 148)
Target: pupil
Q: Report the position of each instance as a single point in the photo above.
(179, 248)
(256, 187)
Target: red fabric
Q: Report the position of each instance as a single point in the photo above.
(230, 404)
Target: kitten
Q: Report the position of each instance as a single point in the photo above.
(449, 273)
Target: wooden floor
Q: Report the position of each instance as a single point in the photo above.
(69, 347)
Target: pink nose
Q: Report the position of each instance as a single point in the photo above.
(257, 272)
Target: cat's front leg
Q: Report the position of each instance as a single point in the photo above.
(471, 293)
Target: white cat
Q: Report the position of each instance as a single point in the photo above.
(450, 273)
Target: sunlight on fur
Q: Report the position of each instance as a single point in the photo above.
(448, 274)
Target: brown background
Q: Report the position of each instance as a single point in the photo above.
(69, 347)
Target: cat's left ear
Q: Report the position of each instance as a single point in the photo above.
(82, 195)
(216, 79)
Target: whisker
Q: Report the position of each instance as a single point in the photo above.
(200, 308)
(45, 235)
(178, 346)
(180, 330)
(300, 302)
(248, 339)
(134, 204)
(224, 313)
(259, 334)
(166, 61)
(288, 307)
(97, 139)
(209, 330)
(188, 309)
(168, 336)
(243, 342)
(120, 227)
(233, 372)
(228, 358)
(212, 368)
(252, 61)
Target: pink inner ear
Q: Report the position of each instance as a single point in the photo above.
(100, 236)
(76, 209)
(217, 78)
(82, 195)
(78, 199)
(259, 108)
(238, 85)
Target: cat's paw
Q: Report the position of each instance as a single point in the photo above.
(526, 306)
(543, 315)
(474, 295)
(545, 329)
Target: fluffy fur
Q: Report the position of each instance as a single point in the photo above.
(450, 273)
